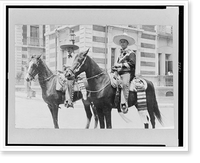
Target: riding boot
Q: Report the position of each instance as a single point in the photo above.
(124, 104)
(69, 94)
(124, 94)
(68, 102)
(146, 125)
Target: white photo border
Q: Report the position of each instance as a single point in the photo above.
(51, 147)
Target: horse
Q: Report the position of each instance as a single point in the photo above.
(50, 95)
(103, 94)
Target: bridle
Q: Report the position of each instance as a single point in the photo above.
(78, 66)
(34, 70)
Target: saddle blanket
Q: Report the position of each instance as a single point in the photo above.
(141, 100)
(61, 83)
(136, 84)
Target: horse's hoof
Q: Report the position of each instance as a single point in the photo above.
(146, 125)
(70, 106)
(124, 108)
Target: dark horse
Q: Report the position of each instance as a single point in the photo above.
(103, 94)
(50, 95)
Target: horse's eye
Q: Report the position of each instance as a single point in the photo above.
(79, 60)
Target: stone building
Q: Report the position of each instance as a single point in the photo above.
(154, 48)
(29, 40)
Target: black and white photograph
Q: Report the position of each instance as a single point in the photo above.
(96, 76)
(127, 67)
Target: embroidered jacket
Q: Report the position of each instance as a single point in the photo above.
(128, 60)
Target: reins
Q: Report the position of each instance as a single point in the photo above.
(99, 89)
(48, 78)
(95, 77)
(40, 79)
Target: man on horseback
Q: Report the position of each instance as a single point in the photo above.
(125, 65)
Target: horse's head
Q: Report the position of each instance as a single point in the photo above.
(33, 67)
(79, 65)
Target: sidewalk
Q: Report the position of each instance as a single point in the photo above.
(162, 101)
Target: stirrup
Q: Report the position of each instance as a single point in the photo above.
(67, 105)
(124, 108)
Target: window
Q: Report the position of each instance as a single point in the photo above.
(99, 28)
(148, 64)
(24, 56)
(149, 46)
(112, 56)
(168, 64)
(147, 55)
(24, 63)
(159, 63)
(24, 49)
(150, 28)
(99, 39)
(24, 34)
(98, 50)
(34, 31)
(147, 36)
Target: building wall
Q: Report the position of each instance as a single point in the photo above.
(26, 46)
(18, 48)
(151, 43)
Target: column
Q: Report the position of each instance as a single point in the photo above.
(109, 45)
(138, 53)
(60, 59)
(41, 35)
(162, 64)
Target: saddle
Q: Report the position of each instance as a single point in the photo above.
(136, 83)
(61, 83)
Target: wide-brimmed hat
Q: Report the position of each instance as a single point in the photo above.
(64, 47)
(124, 36)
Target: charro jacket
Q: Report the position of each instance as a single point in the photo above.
(128, 60)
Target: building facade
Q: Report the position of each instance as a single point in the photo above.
(29, 40)
(154, 47)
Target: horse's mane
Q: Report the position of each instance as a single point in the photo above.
(45, 65)
(50, 73)
(97, 66)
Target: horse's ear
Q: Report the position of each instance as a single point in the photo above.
(39, 56)
(86, 52)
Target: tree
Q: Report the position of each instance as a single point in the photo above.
(19, 76)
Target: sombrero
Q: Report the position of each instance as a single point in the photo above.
(124, 36)
(64, 47)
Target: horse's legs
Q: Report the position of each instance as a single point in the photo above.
(88, 112)
(107, 113)
(144, 115)
(101, 118)
(54, 113)
(95, 115)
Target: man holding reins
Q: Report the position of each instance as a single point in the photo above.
(125, 65)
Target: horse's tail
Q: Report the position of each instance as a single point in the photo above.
(155, 106)
(157, 111)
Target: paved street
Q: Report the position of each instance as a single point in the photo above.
(34, 113)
